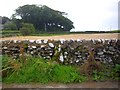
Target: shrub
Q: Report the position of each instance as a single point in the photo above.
(115, 72)
(100, 76)
(108, 73)
(27, 29)
(10, 26)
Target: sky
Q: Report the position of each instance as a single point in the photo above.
(87, 15)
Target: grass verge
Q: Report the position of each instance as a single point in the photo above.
(39, 70)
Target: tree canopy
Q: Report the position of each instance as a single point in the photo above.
(10, 26)
(27, 29)
(5, 20)
(44, 18)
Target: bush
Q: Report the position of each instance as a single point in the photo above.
(10, 26)
(115, 73)
(100, 76)
(27, 29)
(108, 73)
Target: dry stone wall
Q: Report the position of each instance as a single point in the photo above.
(73, 52)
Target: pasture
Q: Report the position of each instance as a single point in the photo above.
(68, 37)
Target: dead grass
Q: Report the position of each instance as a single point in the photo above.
(90, 65)
(67, 37)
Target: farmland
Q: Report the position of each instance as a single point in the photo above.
(67, 37)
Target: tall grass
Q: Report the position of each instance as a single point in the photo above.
(42, 71)
(39, 70)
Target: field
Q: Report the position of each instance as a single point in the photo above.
(67, 37)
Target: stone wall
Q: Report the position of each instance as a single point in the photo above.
(65, 51)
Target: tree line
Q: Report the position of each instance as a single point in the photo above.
(39, 17)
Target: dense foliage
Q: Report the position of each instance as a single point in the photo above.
(10, 26)
(27, 29)
(5, 20)
(44, 18)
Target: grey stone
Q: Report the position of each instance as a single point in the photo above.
(72, 51)
(34, 47)
(100, 53)
(51, 45)
(5, 47)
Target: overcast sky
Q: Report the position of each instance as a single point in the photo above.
(87, 15)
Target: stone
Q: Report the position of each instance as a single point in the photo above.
(34, 47)
(61, 58)
(15, 41)
(51, 45)
(5, 47)
(47, 57)
(69, 51)
(62, 41)
(77, 61)
(38, 41)
(65, 53)
(42, 46)
(31, 41)
(65, 57)
(100, 53)
(51, 54)
(45, 41)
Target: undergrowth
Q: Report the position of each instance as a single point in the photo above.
(39, 70)
(43, 71)
(111, 73)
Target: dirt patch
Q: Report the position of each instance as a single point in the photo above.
(90, 84)
(67, 37)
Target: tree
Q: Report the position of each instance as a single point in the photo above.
(44, 18)
(18, 22)
(27, 29)
(5, 20)
(10, 26)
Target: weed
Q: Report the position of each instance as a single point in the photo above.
(99, 76)
(43, 71)
(115, 72)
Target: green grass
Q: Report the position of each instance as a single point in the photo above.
(49, 34)
(39, 70)
(42, 71)
(115, 31)
(107, 74)
(9, 33)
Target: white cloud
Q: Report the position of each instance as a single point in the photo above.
(86, 14)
